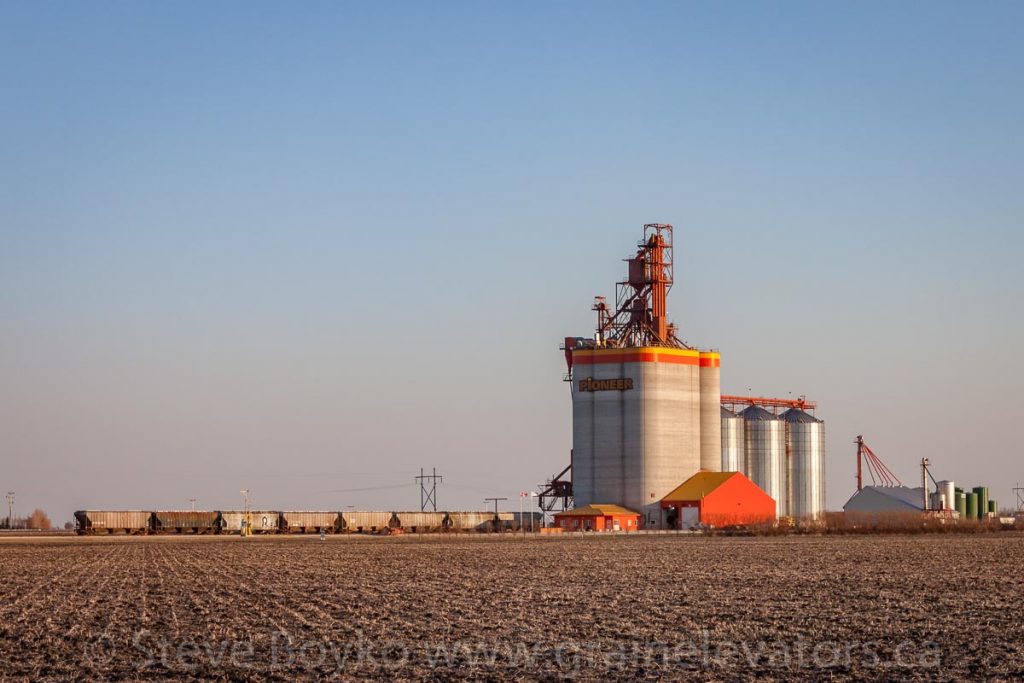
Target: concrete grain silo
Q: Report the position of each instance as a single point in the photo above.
(636, 425)
(710, 411)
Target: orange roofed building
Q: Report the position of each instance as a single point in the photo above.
(717, 499)
(598, 518)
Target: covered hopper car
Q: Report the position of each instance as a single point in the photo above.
(420, 522)
(368, 522)
(470, 521)
(113, 521)
(294, 522)
(260, 521)
(185, 522)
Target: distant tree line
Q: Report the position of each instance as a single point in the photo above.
(38, 520)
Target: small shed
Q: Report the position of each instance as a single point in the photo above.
(598, 517)
(717, 499)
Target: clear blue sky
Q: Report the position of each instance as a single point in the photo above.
(310, 248)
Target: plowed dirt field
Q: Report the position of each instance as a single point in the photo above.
(610, 608)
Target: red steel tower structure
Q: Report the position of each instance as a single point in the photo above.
(640, 317)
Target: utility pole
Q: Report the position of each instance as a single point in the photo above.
(10, 509)
(487, 500)
(924, 481)
(522, 494)
(246, 523)
(860, 457)
(428, 496)
(193, 501)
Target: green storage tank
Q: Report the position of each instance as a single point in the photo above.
(961, 504)
(972, 505)
(992, 507)
(982, 492)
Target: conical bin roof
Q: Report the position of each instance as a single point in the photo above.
(757, 413)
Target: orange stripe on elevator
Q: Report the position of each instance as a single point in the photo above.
(638, 355)
(710, 359)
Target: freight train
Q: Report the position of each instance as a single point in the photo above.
(91, 522)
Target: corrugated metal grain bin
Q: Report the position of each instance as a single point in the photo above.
(263, 521)
(420, 521)
(113, 521)
(470, 521)
(185, 521)
(734, 458)
(309, 522)
(765, 452)
(805, 476)
(367, 522)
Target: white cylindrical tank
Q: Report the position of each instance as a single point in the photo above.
(805, 449)
(948, 491)
(733, 449)
(710, 411)
(765, 440)
(635, 427)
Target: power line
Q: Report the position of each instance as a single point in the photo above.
(368, 488)
(465, 487)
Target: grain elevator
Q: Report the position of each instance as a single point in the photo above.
(647, 408)
(640, 396)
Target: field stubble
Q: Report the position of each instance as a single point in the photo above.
(875, 608)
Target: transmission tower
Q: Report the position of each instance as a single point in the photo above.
(428, 493)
